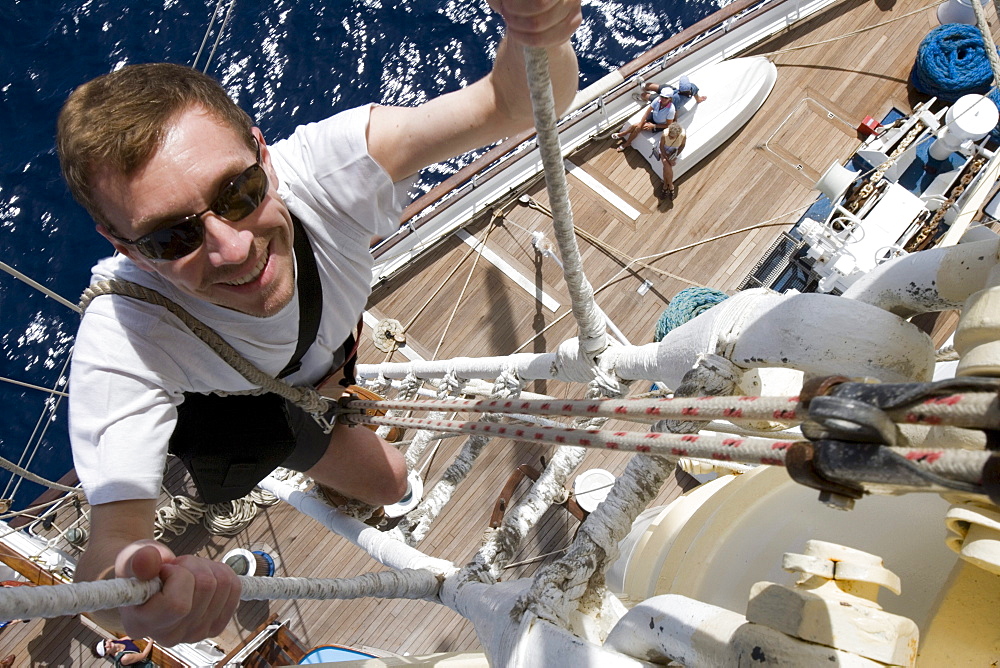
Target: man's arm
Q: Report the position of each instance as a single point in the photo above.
(198, 598)
(404, 140)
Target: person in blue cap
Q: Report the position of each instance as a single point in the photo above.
(685, 89)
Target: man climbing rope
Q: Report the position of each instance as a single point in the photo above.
(143, 149)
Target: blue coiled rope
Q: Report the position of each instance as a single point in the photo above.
(952, 62)
(687, 304)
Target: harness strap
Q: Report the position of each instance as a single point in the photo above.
(310, 297)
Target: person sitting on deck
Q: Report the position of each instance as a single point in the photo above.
(671, 144)
(145, 147)
(658, 116)
(124, 652)
(685, 89)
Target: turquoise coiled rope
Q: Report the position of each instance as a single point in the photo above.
(687, 304)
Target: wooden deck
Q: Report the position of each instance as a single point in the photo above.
(762, 175)
(752, 189)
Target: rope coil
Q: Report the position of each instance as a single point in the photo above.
(951, 62)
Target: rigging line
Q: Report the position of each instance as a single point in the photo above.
(967, 409)
(28, 475)
(647, 411)
(592, 330)
(959, 466)
(208, 31)
(532, 560)
(624, 256)
(204, 38)
(218, 35)
(617, 277)
(658, 256)
(4, 379)
(38, 286)
(854, 32)
(49, 408)
(441, 286)
(603, 245)
(30, 512)
(750, 228)
(468, 279)
(71, 599)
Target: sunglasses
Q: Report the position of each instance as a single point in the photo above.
(236, 200)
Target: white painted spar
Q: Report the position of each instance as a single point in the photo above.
(735, 89)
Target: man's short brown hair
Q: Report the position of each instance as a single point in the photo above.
(117, 121)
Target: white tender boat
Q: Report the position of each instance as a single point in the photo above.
(734, 90)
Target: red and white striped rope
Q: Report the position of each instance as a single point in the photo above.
(974, 410)
(963, 465)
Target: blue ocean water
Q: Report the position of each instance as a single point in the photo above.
(285, 62)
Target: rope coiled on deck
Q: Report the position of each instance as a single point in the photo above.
(687, 304)
(951, 62)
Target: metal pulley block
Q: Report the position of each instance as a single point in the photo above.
(851, 434)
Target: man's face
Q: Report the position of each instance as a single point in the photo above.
(245, 265)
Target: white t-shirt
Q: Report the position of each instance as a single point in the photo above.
(133, 362)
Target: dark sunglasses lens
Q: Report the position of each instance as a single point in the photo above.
(242, 197)
(173, 242)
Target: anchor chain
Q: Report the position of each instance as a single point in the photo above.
(924, 236)
(857, 199)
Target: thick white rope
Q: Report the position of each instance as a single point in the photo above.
(971, 410)
(28, 475)
(576, 581)
(72, 599)
(418, 522)
(592, 335)
(958, 464)
(988, 45)
(422, 439)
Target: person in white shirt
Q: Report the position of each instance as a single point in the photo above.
(203, 209)
(658, 117)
